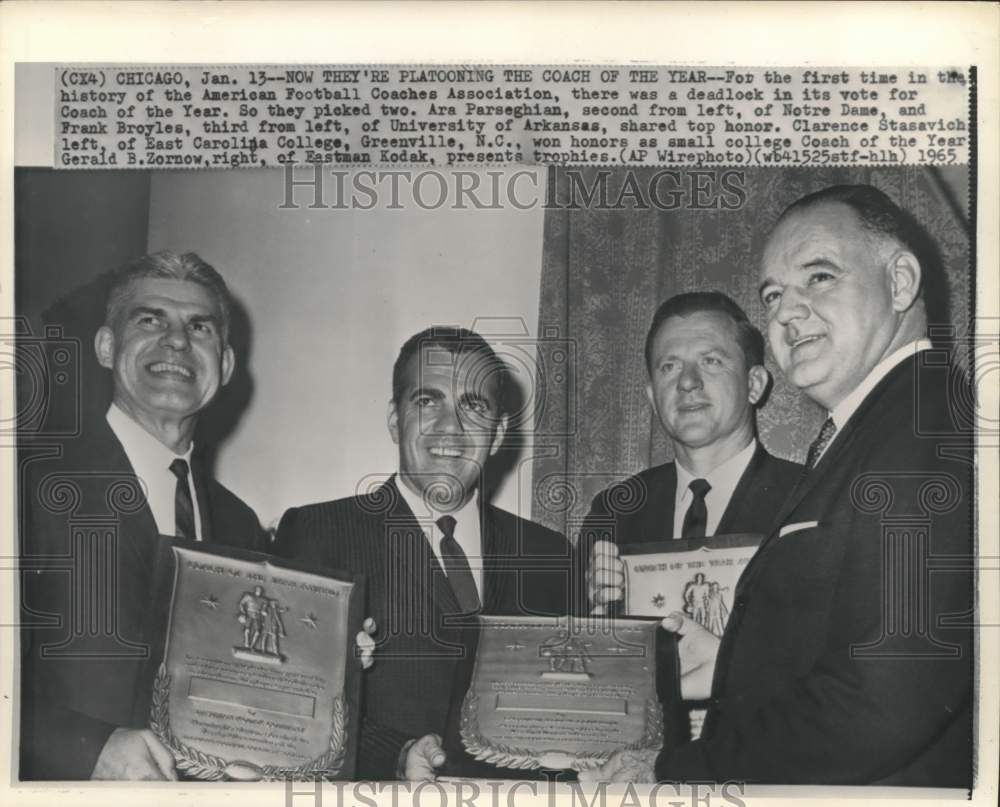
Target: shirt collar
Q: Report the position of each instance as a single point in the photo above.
(842, 412)
(723, 478)
(146, 454)
(467, 516)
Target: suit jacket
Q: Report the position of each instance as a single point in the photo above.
(424, 646)
(641, 508)
(839, 664)
(91, 639)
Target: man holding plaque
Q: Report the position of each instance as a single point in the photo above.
(706, 377)
(846, 660)
(435, 554)
(92, 518)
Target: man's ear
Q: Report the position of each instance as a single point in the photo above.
(228, 364)
(758, 380)
(498, 435)
(649, 395)
(904, 280)
(392, 421)
(104, 347)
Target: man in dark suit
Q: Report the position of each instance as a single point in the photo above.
(92, 512)
(848, 656)
(706, 378)
(433, 552)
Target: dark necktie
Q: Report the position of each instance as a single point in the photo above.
(183, 506)
(819, 445)
(456, 566)
(696, 518)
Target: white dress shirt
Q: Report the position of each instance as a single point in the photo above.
(467, 529)
(723, 480)
(150, 460)
(842, 412)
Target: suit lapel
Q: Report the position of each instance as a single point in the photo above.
(841, 445)
(658, 517)
(732, 516)
(497, 545)
(206, 512)
(411, 550)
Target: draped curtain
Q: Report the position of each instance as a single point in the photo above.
(606, 270)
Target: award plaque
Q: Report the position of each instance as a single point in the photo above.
(696, 576)
(561, 693)
(259, 678)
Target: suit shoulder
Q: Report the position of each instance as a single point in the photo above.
(537, 533)
(782, 471)
(636, 488)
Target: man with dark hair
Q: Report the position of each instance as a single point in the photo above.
(848, 657)
(706, 377)
(433, 552)
(97, 511)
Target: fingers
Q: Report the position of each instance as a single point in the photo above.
(160, 755)
(674, 623)
(366, 644)
(606, 575)
(423, 757)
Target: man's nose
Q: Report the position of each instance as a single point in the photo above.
(690, 377)
(792, 306)
(449, 421)
(176, 337)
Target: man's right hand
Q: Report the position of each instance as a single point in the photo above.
(698, 649)
(605, 576)
(134, 755)
(423, 756)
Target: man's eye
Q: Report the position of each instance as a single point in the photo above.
(201, 327)
(479, 407)
(149, 320)
(819, 277)
(770, 297)
(423, 401)
(712, 360)
(667, 366)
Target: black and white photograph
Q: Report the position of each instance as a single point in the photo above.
(501, 427)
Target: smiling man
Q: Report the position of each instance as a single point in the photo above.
(434, 553)
(132, 476)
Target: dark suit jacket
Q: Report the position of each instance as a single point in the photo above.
(641, 508)
(424, 647)
(835, 667)
(91, 639)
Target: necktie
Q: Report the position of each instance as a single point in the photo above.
(696, 518)
(183, 506)
(456, 566)
(822, 440)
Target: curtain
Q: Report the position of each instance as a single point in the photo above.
(607, 267)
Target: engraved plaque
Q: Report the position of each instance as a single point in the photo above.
(696, 576)
(259, 678)
(561, 692)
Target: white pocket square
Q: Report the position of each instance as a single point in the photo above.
(798, 526)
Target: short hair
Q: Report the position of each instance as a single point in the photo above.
(189, 267)
(878, 214)
(455, 341)
(750, 340)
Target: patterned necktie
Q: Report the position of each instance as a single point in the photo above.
(696, 518)
(456, 566)
(183, 506)
(819, 445)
